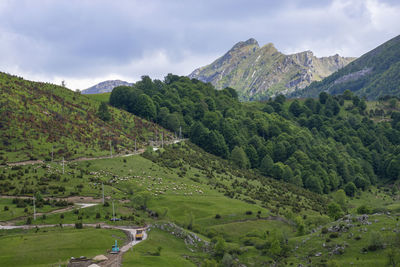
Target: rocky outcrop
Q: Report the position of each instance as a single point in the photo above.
(192, 241)
(259, 72)
(105, 87)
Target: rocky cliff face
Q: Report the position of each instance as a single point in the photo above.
(105, 87)
(259, 72)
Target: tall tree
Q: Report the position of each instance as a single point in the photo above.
(103, 112)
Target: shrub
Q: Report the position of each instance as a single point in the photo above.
(249, 212)
(363, 209)
(6, 208)
(78, 225)
(217, 216)
(334, 235)
(376, 241)
(98, 215)
(324, 230)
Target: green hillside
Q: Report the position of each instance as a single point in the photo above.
(373, 75)
(238, 215)
(38, 118)
(321, 144)
(281, 182)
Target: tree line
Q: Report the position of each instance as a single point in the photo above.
(321, 144)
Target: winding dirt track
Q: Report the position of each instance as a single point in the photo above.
(138, 152)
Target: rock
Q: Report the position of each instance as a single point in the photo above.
(100, 258)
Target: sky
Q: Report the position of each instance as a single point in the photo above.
(84, 42)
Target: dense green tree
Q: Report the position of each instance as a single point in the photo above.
(334, 211)
(393, 168)
(295, 108)
(199, 134)
(350, 189)
(239, 158)
(266, 165)
(146, 107)
(252, 156)
(313, 184)
(103, 112)
(323, 96)
(216, 145)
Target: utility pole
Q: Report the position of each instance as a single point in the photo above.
(63, 165)
(102, 185)
(34, 209)
(113, 212)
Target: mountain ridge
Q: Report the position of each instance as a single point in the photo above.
(373, 75)
(105, 87)
(259, 72)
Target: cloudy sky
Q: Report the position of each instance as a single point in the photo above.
(85, 41)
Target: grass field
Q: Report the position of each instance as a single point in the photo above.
(104, 97)
(205, 196)
(53, 246)
(172, 253)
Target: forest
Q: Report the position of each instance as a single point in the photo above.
(322, 144)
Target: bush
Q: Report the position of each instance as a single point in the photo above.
(376, 241)
(363, 209)
(334, 235)
(78, 225)
(98, 215)
(324, 230)
(6, 208)
(217, 216)
(249, 212)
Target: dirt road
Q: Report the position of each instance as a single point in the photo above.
(138, 152)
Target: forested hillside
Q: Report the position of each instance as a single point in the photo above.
(41, 119)
(373, 75)
(321, 144)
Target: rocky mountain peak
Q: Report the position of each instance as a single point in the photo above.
(257, 72)
(249, 42)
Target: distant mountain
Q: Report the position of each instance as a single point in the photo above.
(375, 74)
(105, 87)
(259, 72)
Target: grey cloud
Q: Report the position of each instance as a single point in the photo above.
(84, 39)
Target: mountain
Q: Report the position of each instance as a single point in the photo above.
(259, 72)
(34, 117)
(373, 75)
(105, 87)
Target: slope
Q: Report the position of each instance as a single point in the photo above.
(260, 72)
(38, 118)
(373, 75)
